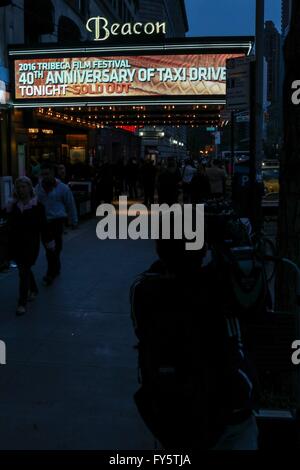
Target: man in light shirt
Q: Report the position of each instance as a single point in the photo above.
(59, 204)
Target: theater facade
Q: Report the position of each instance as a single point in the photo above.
(67, 100)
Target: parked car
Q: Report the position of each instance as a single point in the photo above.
(270, 176)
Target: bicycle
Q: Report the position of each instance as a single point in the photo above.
(265, 249)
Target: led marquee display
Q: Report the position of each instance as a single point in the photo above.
(135, 76)
(163, 73)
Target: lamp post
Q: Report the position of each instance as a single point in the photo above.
(256, 132)
(259, 95)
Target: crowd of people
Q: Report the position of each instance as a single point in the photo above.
(43, 202)
(133, 179)
(145, 180)
(166, 180)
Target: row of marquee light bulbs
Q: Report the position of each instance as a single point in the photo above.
(86, 122)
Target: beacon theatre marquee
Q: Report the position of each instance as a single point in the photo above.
(183, 71)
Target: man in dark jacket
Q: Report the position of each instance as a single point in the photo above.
(200, 186)
(197, 384)
(148, 175)
(132, 173)
(168, 183)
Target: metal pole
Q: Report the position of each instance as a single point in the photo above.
(257, 113)
(253, 210)
(232, 142)
(259, 53)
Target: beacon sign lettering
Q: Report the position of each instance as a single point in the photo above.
(182, 72)
(102, 30)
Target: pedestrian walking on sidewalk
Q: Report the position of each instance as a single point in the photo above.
(105, 183)
(148, 181)
(61, 173)
(200, 186)
(131, 174)
(217, 179)
(168, 183)
(188, 172)
(59, 204)
(27, 222)
(119, 175)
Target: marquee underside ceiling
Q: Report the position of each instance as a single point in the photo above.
(165, 115)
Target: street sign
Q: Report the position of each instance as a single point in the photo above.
(225, 115)
(238, 84)
(211, 129)
(243, 117)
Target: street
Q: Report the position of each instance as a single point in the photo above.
(71, 367)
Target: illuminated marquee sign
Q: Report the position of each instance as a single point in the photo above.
(102, 31)
(154, 74)
(135, 76)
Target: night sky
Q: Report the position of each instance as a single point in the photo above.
(227, 17)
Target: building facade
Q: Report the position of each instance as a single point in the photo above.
(11, 32)
(24, 133)
(22, 22)
(273, 56)
(286, 11)
(173, 12)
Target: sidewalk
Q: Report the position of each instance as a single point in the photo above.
(71, 368)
